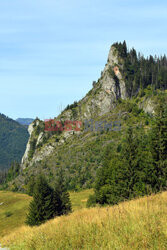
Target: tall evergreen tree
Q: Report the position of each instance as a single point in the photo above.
(61, 198)
(41, 208)
(159, 145)
(30, 186)
(126, 173)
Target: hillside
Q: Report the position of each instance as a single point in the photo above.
(138, 224)
(13, 140)
(13, 211)
(126, 93)
(14, 207)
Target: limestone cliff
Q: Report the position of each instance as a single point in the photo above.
(102, 97)
(100, 100)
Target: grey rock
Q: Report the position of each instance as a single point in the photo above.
(101, 100)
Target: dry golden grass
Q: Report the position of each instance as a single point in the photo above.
(138, 224)
(16, 205)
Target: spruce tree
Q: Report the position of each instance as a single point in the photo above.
(127, 172)
(30, 186)
(61, 198)
(41, 207)
(137, 168)
(159, 146)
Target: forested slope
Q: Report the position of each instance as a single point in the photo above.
(13, 140)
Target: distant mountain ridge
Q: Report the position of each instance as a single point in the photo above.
(25, 121)
(13, 140)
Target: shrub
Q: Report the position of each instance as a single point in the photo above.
(91, 202)
(8, 214)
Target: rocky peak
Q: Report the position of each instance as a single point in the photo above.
(112, 60)
(98, 101)
(112, 74)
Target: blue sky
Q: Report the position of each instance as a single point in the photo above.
(52, 50)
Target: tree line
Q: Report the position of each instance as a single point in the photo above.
(9, 175)
(139, 72)
(138, 166)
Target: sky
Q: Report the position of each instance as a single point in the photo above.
(51, 51)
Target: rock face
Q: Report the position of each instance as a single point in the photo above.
(28, 147)
(148, 106)
(115, 64)
(109, 88)
(100, 100)
(112, 85)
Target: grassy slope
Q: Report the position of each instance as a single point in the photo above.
(17, 205)
(79, 199)
(138, 224)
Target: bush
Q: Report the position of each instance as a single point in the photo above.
(8, 214)
(91, 202)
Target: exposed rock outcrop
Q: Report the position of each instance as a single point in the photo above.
(31, 128)
(100, 100)
(148, 106)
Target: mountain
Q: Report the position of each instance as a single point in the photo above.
(126, 94)
(25, 121)
(13, 140)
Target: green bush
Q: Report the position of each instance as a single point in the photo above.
(91, 202)
(8, 214)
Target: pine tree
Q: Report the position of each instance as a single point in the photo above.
(124, 49)
(143, 165)
(159, 145)
(30, 186)
(61, 199)
(126, 173)
(41, 208)
(47, 202)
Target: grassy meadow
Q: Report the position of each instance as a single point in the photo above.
(14, 207)
(13, 211)
(79, 199)
(138, 224)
